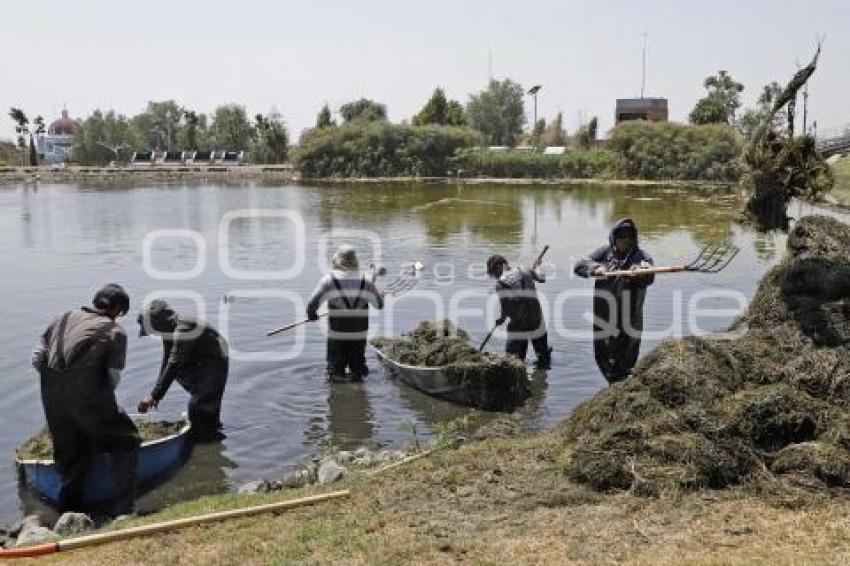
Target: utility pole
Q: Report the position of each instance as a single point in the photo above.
(805, 107)
(643, 67)
(533, 92)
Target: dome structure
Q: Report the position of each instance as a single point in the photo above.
(64, 126)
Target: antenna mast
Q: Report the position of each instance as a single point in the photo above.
(643, 67)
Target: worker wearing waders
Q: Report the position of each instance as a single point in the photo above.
(194, 354)
(517, 294)
(617, 301)
(349, 295)
(80, 359)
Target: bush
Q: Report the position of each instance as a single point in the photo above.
(380, 149)
(513, 164)
(665, 150)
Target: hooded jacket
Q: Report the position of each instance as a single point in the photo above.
(607, 257)
(188, 347)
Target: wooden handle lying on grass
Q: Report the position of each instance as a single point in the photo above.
(133, 532)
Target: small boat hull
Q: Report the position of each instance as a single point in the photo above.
(156, 459)
(434, 381)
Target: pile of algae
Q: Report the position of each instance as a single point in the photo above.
(489, 382)
(770, 402)
(40, 446)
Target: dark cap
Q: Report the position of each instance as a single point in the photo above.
(493, 262)
(156, 316)
(111, 296)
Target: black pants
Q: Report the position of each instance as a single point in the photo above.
(348, 355)
(616, 356)
(206, 387)
(517, 345)
(84, 419)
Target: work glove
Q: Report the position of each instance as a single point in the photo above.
(147, 404)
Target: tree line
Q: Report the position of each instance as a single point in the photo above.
(495, 116)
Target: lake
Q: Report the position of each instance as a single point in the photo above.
(246, 257)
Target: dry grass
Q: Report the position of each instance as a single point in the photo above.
(495, 502)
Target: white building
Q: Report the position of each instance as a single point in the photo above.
(55, 146)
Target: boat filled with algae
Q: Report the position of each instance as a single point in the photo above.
(438, 359)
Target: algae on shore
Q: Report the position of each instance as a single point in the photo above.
(40, 446)
(767, 402)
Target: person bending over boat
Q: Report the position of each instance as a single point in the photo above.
(349, 295)
(79, 360)
(194, 354)
(517, 294)
(617, 301)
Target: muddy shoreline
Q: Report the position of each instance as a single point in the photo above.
(286, 173)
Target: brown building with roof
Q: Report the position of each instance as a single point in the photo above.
(651, 109)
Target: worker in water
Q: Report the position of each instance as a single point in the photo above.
(80, 359)
(617, 301)
(194, 354)
(349, 294)
(517, 292)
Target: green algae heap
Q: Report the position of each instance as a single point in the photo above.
(770, 402)
(40, 446)
(490, 382)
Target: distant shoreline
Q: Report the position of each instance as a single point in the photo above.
(288, 174)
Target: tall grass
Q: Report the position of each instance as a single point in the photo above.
(381, 149)
(666, 150)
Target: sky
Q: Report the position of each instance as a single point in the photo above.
(295, 56)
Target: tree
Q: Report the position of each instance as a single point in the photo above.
(230, 127)
(721, 102)
(100, 138)
(439, 110)
(539, 128)
(554, 134)
(753, 117)
(587, 133)
(498, 112)
(37, 130)
(271, 139)
(455, 115)
(709, 110)
(21, 128)
(363, 110)
(324, 119)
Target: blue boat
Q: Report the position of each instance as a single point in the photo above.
(156, 459)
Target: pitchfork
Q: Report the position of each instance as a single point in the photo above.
(406, 280)
(713, 258)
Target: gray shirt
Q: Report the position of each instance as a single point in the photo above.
(349, 291)
(90, 340)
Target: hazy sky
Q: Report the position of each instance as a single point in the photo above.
(294, 56)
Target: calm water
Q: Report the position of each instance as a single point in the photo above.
(60, 242)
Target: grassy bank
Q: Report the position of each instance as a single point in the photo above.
(501, 500)
(841, 191)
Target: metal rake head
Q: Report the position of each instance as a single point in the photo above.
(713, 258)
(401, 284)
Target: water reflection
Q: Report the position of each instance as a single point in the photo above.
(350, 416)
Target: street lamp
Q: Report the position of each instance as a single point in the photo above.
(533, 92)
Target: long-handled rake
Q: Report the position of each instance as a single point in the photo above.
(713, 258)
(406, 280)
